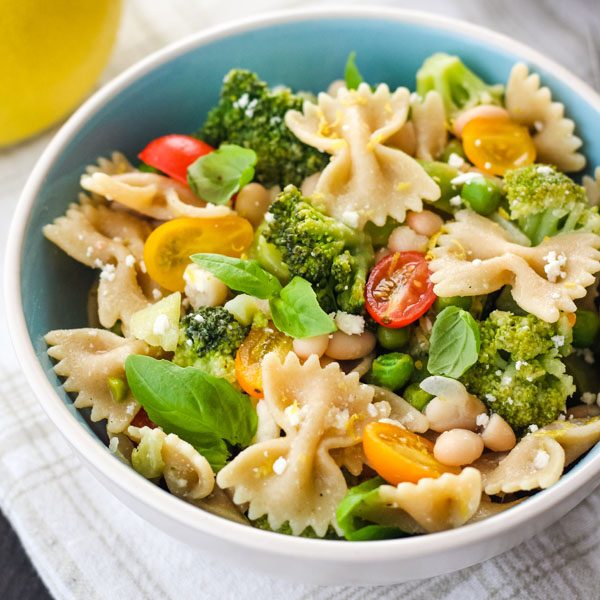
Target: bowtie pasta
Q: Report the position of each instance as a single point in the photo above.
(360, 315)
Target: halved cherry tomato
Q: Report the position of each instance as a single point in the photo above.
(254, 348)
(495, 145)
(142, 419)
(173, 154)
(398, 290)
(168, 248)
(399, 455)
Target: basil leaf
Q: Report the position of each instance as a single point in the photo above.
(353, 513)
(297, 311)
(245, 276)
(352, 74)
(454, 344)
(205, 411)
(216, 176)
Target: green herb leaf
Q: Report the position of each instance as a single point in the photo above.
(353, 513)
(454, 343)
(216, 176)
(297, 311)
(205, 411)
(245, 276)
(352, 74)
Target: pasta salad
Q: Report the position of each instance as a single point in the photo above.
(361, 315)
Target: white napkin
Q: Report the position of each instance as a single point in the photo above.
(86, 544)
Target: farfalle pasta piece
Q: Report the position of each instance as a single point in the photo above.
(436, 504)
(488, 509)
(400, 410)
(117, 164)
(364, 176)
(295, 478)
(576, 436)
(187, 473)
(592, 187)
(87, 358)
(428, 116)
(113, 242)
(529, 104)
(474, 256)
(150, 194)
(535, 462)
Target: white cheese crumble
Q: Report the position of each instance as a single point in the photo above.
(351, 218)
(465, 178)
(541, 460)
(349, 324)
(156, 294)
(490, 397)
(455, 201)
(143, 266)
(555, 264)
(544, 170)
(482, 420)
(456, 160)
(292, 412)
(130, 260)
(476, 261)
(161, 324)
(108, 273)
(558, 341)
(520, 363)
(533, 428)
(279, 465)
(269, 217)
(588, 398)
(372, 410)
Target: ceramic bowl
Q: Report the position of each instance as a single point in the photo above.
(171, 91)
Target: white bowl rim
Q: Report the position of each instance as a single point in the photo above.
(146, 493)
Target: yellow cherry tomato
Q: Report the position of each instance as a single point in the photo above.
(168, 248)
(254, 348)
(496, 145)
(399, 455)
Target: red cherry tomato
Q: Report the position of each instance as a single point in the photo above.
(173, 154)
(399, 291)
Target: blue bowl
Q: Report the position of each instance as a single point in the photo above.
(172, 91)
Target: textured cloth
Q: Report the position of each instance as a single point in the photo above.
(87, 545)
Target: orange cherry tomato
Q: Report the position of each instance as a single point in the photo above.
(168, 248)
(399, 455)
(496, 145)
(254, 348)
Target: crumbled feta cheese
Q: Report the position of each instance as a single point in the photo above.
(279, 465)
(544, 170)
(487, 165)
(558, 341)
(372, 410)
(456, 160)
(108, 273)
(292, 412)
(269, 217)
(541, 459)
(143, 266)
(533, 428)
(161, 324)
(88, 253)
(465, 178)
(130, 260)
(482, 420)
(476, 261)
(455, 201)
(554, 267)
(349, 324)
(520, 363)
(498, 373)
(588, 398)
(351, 218)
(156, 294)
(189, 342)
(490, 397)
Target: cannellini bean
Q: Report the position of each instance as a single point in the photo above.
(335, 86)
(458, 447)
(424, 223)
(309, 184)
(252, 202)
(498, 435)
(488, 111)
(403, 238)
(454, 412)
(313, 345)
(583, 411)
(349, 347)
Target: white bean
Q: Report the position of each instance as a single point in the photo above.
(424, 223)
(350, 347)
(309, 184)
(583, 411)
(498, 435)
(252, 203)
(456, 412)
(458, 447)
(313, 345)
(403, 238)
(487, 111)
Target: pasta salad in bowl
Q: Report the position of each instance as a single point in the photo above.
(354, 313)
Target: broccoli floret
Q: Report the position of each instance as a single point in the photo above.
(545, 202)
(208, 340)
(459, 86)
(333, 257)
(249, 114)
(519, 373)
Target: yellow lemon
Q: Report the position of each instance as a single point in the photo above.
(52, 53)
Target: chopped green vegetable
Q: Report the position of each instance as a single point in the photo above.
(352, 74)
(393, 339)
(118, 388)
(147, 458)
(414, 395)
(391, 371)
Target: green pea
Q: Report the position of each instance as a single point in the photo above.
(443, 174)
(463, 302)
(414, 395)
(391, 371)
(585, 328)
(505, 301)
(118, 388)
(453, 147)
(481, 195)
(393, 339)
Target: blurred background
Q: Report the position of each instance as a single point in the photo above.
(568, 32)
